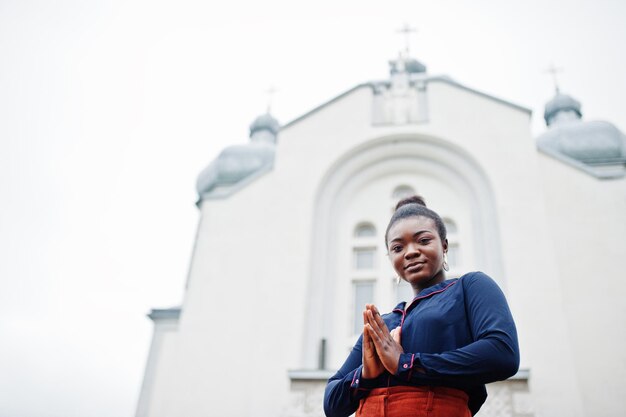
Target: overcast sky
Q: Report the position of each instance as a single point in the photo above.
(109, 110)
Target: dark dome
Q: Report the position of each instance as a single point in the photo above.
(561, 102)
(265, 122)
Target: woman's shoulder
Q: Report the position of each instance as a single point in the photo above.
(478, 281)
(475, 276)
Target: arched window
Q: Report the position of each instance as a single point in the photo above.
(365, 230)
(364, 271)
(363, 293)
(402, 191)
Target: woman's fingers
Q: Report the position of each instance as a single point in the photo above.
(373, 336)
(379, 338)
(379, 334)
(371, 321)
(377, 317)
(378, 341)
(377, 323)
(381, 322)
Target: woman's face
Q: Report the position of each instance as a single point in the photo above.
(416, 251)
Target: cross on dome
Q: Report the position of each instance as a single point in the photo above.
(404, 64)
(407, 30)
(553, 71)
(270, 96)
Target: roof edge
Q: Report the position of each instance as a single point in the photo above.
(448, 80)
(326, 103)
(164, 314)
(435, 78)
(587, 169)
(223, 192)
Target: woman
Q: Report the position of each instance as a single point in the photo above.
(445, 345)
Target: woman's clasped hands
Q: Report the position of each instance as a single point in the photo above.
(381, 348)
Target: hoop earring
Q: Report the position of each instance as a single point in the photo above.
(445, 265)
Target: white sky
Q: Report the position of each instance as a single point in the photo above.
(109, 110)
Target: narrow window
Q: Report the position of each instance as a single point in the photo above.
(364, 258)
(363, 294)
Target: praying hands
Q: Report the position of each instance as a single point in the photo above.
(381, 348)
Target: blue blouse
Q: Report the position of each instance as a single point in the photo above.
(457, 334)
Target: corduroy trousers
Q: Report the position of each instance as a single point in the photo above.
(414, 402)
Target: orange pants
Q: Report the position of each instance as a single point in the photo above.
(414, 402)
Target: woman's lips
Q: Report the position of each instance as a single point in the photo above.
(414, 266)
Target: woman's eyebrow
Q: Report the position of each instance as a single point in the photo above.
(414, 234)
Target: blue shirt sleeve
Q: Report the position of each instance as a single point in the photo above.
(494, 354)
(345, 388)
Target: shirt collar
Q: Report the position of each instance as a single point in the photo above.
(427, 291)
(437, 287)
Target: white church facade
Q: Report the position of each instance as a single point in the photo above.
(290, 247)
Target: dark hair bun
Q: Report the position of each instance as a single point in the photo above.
(415, 199)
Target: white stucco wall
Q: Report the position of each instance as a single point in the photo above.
(587, 221)
(160, 369)
(260, 291)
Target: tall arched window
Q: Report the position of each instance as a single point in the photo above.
(364, 266)
(402, 191)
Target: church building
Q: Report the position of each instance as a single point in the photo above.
(290, 247)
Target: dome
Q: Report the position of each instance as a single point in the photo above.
(234, 164)
(265, 122)
(408, 65)
(237, 165)
(587, 142)
(596, 147)
(561, 103)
